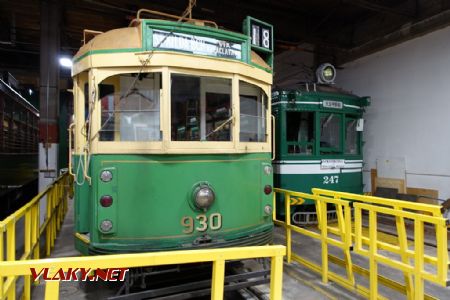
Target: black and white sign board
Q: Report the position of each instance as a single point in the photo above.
(196, 44)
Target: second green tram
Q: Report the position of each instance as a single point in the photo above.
(318, 142)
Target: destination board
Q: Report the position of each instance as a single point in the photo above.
(196, 44)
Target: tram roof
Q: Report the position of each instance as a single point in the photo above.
(133, 39)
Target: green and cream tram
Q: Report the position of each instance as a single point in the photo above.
(172, 146)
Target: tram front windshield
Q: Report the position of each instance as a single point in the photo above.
(200, 109)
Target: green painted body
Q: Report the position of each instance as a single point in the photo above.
(349, 182)
(302, 172)
(153, 193)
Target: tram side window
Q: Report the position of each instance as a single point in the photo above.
(130, 107)
(300, 132)
(351, 137)
(330, 133)
(253, 106)
(200, 108)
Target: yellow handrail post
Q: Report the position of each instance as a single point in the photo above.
(53, 217)
(418, 259)
(276, 277)
(37, 229)
(372, 255)
(11, 254)
(48, 229)
(35, 234)
(287, 202)
(403, 243)
(348, 242)
(442, 252)
(324, 236)
(218, 277)
(318, 213)
(58, 207)
(358, 228)
(2, 230)
(27, 248)
(52, 290)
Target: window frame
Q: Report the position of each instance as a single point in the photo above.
(332, 150)
(97, 76)
(202, 125)
(347, 117)
(306, 144)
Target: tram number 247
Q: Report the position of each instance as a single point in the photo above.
(331, 179)
(213, 222)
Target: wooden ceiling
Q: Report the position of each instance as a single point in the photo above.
(338, 30)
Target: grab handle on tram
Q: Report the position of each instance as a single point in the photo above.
(70, 130)
(273, 137)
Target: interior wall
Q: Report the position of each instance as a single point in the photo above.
(409, 117)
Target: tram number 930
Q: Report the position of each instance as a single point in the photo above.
(213, 222)
(331, 179)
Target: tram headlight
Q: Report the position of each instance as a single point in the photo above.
(204, 197)
(106, 225)
(268, 209)
(326, 73)
(106, 176)
(268, 170)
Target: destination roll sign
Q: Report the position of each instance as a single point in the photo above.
(196, 44)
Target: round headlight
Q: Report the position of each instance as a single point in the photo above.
(268, 170)
(106, 176)
(204, 197)
(326, 73)
(268, 209)
(106, 225)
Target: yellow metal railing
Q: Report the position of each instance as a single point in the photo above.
(216, 256)
(54, 200)
(412, 260)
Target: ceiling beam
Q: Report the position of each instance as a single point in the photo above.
(380, 8)
(403, 34)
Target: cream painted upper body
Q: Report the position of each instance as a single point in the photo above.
(95, 62)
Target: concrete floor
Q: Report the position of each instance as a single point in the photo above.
(298, 281)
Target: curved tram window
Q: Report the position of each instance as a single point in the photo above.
(253, 106)
(330, 133)
(351, 137)
(130, 107)
(201, 108)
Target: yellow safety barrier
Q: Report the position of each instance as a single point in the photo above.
(343, 236)
(55, 196)
(216, 256)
